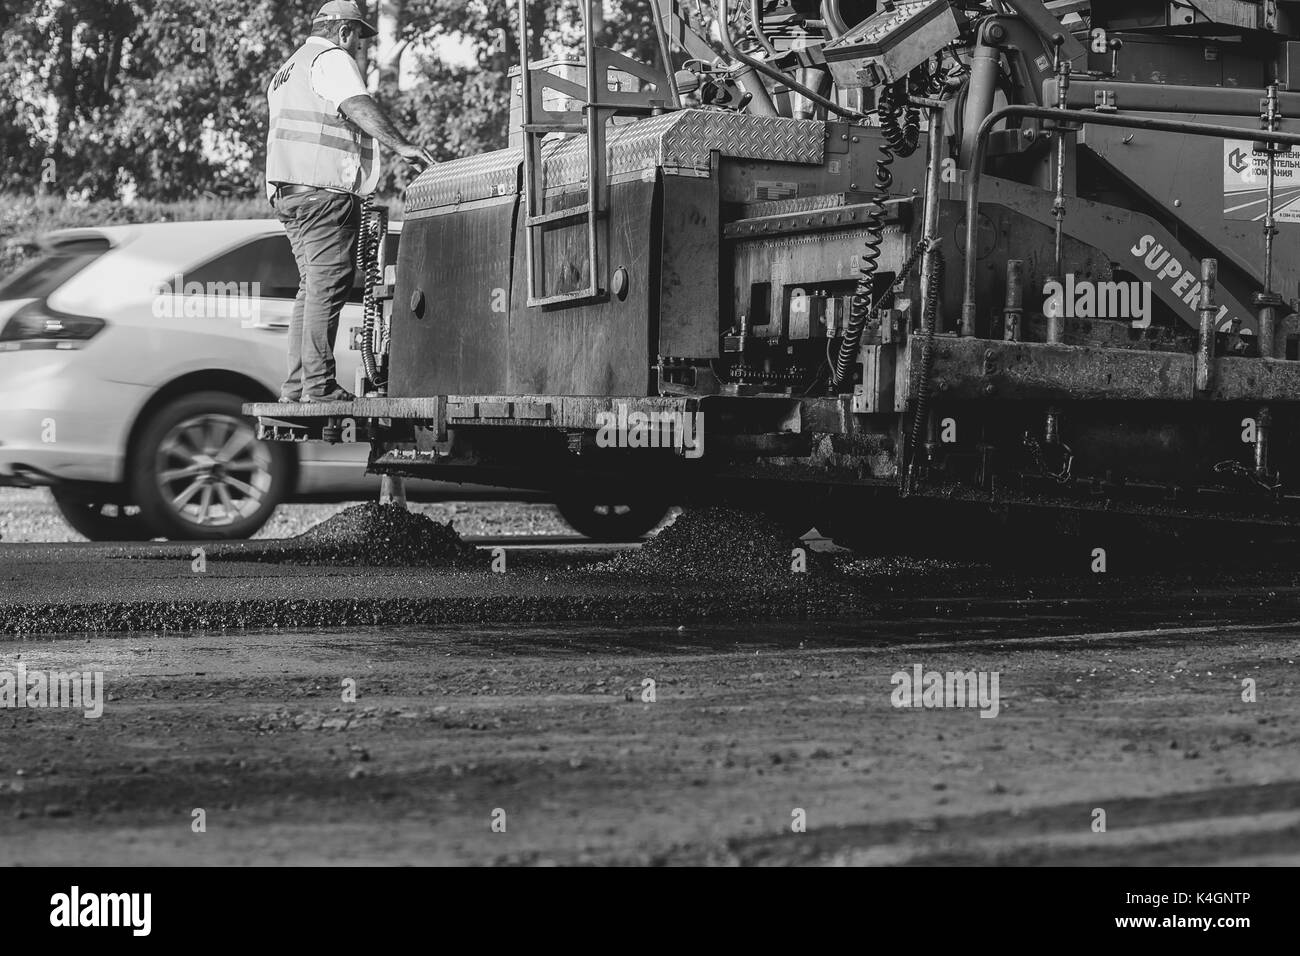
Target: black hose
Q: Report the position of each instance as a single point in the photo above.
(902, 139)
(922, 411)
(899, 140)
(369, 236)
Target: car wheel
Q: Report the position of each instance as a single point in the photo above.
(95, 517)
(199, 471)
(612, 522)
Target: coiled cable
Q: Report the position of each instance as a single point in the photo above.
(929, 318)
(370, 235)
(901, 128)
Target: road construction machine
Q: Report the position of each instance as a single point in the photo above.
(864, 266)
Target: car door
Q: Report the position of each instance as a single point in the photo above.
(327, 470)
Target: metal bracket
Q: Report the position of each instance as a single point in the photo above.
(1103, 101)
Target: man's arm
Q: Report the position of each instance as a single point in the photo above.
(365, 113)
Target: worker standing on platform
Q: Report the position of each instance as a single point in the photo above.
(321, 159)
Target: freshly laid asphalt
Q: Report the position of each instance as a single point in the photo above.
(522, 690)
(79, 588)
(408, 745)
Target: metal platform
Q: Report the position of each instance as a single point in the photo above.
(283, 421)
(411, 408)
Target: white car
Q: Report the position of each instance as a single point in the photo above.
(122, 393)
(125, 355)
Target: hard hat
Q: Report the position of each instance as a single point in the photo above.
(344, 10)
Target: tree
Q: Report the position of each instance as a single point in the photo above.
(59, 70)
(162, 94)
(460, 110)
(167, 98)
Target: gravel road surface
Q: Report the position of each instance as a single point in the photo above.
(453, 727)
(590, 705)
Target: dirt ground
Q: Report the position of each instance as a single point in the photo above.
(586, 706)
(451, 728)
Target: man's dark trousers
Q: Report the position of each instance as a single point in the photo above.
(322, 228)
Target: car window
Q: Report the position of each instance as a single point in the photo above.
(269, 261)
(40, 278)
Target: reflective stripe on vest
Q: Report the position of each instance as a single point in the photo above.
(309, 143)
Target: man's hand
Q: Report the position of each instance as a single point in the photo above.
(365, 113)
(417, 156)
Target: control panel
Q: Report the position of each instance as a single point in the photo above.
(890, 42)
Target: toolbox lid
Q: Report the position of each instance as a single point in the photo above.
(678, 143)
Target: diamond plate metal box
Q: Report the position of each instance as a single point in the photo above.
(465, 180)
(680, 143)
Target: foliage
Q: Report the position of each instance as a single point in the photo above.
(165, 99)
(33, 217)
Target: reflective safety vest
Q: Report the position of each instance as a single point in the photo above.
(310, 144)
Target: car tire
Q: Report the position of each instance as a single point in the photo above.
(97, 517)
(612, 522)
(199, 472)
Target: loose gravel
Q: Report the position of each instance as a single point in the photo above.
(716, 543)
(373, 535)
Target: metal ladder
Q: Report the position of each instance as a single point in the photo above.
(599, 104)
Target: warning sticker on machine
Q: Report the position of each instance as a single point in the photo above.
(1245, 183)
(768, 190)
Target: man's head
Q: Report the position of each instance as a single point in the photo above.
(341, 21)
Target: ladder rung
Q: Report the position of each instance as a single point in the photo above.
(560, 215)
(568, 298)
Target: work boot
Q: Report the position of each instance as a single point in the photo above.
(334, 392)
(289, 399)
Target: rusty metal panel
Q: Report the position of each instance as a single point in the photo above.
(689, 296)
(1253, 379)
(600, 348)
(981, 368)
(464, 180)
(876, 393)
(461, 267)
(984, 369)
(766, 264)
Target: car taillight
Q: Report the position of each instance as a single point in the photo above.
(37, 326)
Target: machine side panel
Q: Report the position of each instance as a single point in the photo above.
(460, 265)
(1133, 240)
(1184, 175)
(598, 349)
(688, 274)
